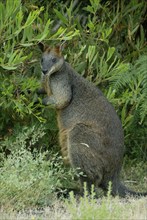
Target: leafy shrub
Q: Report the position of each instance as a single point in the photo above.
(131, 92)
(26, 138)
(22, 27)
(28, 180)
(32, 177)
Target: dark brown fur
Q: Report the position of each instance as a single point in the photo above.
(90, 132)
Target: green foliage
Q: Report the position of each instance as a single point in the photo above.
(106, 43)
(134, 82)
(30, 179)
(135, 175)
(21, 28)
(25, 181)
(26, 138)
(97, 55)
(131, 88)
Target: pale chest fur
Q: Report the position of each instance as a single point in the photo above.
(46, 84)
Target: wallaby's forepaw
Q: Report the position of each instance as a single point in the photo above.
(41, 91)
(47, 101)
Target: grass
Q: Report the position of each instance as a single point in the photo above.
(85, 209)
(88, 207)
(28, 186)
(134, 175)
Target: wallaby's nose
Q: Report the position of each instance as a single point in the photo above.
(44, 71)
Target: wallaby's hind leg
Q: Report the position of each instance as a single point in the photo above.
(82, 153)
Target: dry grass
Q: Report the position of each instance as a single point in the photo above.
(56, 212)
(128, 209)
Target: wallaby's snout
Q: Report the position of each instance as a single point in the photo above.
(44, 71)
(45, 64)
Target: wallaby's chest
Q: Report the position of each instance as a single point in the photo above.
(46, 84)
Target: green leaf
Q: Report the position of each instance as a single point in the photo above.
(6, 67)
(26, 44)
(89, 9)
(61, 17)
(91, 53)
(110, 52)
(45, 32)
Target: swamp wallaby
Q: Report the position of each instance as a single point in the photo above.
(90, 132)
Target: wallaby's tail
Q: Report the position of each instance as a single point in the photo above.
(123, 191)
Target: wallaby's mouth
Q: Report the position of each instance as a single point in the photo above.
(48, 72)
(51, 71)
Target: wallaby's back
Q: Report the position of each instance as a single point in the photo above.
(90, 109)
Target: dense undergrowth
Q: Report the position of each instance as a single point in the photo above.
(106, 43)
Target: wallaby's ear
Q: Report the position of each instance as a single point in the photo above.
(58, 50)
(41, 46)
(44, 47)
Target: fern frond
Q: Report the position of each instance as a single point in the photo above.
(138, 72)
(134, 81)
(143, 109)
(120, 80)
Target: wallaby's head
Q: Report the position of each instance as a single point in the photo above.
(52, 59)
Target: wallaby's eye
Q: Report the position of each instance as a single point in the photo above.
(54, 60)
